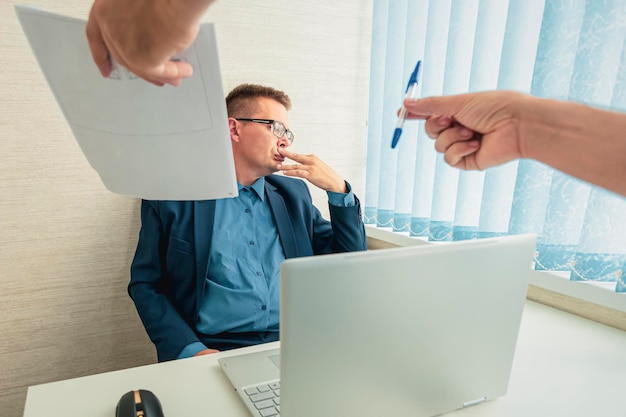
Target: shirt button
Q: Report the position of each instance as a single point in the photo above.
(258, 274)
(263, 307)
(251, 243)
(247, 210)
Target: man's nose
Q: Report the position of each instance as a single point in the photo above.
(283, 142)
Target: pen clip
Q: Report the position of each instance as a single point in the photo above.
(413, 77)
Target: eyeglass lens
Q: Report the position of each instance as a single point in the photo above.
(278, 129)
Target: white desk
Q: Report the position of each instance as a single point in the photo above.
(564, 366)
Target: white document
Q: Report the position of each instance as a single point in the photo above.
(157, 143)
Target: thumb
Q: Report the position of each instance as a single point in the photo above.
(98, 48)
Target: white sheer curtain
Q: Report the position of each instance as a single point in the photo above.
(564, 49)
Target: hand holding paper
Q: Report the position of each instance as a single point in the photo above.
(154, 143)
(144, 35)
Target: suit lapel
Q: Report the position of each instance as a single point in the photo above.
(283, 223)
(204, 215)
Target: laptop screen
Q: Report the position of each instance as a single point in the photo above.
(413, 331)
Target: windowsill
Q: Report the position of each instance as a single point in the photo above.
(553, 281)
(550, 288)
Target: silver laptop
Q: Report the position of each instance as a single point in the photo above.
(414, 331)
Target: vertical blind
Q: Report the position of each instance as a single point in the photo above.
(562, 49)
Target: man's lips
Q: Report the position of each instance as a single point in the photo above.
(278, 157)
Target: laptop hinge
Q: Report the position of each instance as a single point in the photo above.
(474, 402)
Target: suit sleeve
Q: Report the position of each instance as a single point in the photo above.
(344, 233)
(150, 288)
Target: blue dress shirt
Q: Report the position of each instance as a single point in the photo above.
(242, 291)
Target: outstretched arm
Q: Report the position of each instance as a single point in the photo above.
(481, 130)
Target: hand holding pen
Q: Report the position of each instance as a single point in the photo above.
(480, 130)
(411, 89)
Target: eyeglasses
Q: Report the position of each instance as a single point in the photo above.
(278, 129)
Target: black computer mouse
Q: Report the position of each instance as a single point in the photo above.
(139, 403)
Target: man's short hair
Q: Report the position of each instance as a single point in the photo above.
(241, 101)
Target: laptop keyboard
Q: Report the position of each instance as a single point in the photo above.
(265, 398)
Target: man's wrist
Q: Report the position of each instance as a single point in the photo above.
(342, 199)
(341, 188)
(190, 350)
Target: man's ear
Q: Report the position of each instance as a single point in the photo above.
(232, 129)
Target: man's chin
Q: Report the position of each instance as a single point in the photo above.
(272, 170)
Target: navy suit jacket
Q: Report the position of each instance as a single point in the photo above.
(169, 270)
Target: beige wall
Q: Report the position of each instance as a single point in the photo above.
(66, 242)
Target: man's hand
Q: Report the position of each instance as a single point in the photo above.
(206, 352)
(143, 36)
(473, 131)
(314, 170)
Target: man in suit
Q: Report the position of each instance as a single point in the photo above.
(205, 276)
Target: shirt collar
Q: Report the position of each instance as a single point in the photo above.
(258, 186)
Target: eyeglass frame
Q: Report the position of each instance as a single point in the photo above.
(271, 122)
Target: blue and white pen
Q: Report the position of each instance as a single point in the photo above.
(411, 88)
